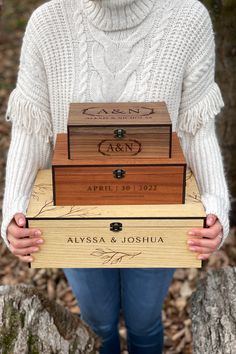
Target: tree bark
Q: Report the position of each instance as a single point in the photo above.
(213, 313)
(31, 324)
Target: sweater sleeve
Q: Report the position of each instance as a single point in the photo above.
(200, 103)
(31, 136)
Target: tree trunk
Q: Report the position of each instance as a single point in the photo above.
(31, 324)
(213, 313)
(223, 13)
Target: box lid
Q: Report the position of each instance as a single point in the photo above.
(41, 205)
(118, 113)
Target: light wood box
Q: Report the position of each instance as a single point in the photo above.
(98, 181)
(109, 236)
(119, 129)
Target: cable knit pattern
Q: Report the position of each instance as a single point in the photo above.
(154, 46)
(115, 76)
(82, 70)
(116, 50)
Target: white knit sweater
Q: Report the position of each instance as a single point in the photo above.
(116, 50)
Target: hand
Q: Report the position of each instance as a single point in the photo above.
(205, 241)
(23, 241)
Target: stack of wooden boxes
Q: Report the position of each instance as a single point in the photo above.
(118, 193)
(118, 153)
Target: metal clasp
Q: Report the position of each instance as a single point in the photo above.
(119, 173)
(116, 226)
(119, 133)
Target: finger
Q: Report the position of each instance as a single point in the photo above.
(20, 219)
(201, 249)
(204, 256)
(23, 251)
(19, 232)
(26, 259)
(210, 232)
(211, 219)
(24, 242)
(204, 242)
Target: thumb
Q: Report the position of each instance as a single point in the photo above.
(20, 219)
(211, 219)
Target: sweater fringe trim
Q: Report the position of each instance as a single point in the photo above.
(201, 113)
(25, 114)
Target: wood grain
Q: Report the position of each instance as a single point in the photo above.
(92, 182)
(41, 204)
(73, 234)
(140, 142)
(141, 243)
(140, 185)
(60, 156)
(146, 125)
(116, 113)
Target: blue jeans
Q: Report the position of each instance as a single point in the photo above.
(139, 292)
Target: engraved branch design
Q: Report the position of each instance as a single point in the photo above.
(48, 206)
(45, 208)
(195, 197)
(189, 175)
(112, 257)
(40, 189)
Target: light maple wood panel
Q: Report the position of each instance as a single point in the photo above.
(141, 243)
(80, 236)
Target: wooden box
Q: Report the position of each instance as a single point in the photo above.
(123, 129)
(118, 181)
(111, 236)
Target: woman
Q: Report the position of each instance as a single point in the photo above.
(117, 50)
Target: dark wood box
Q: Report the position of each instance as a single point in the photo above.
(123, 129)
(118, 181)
